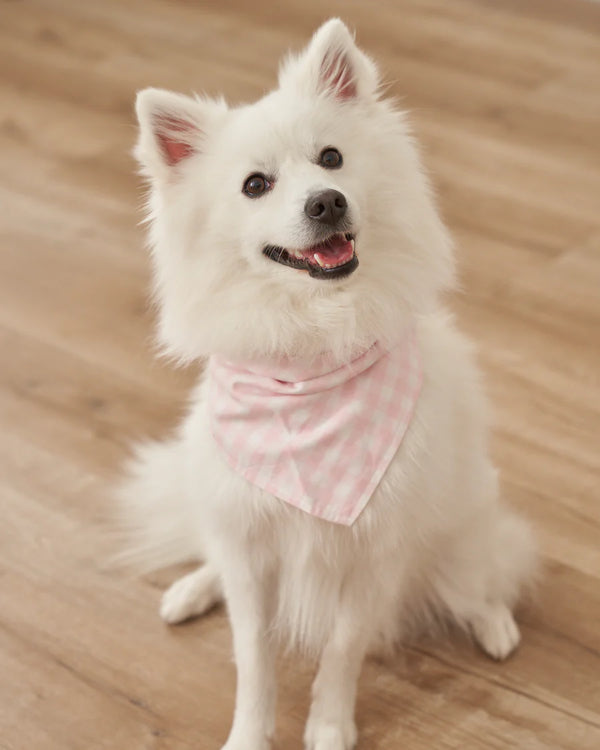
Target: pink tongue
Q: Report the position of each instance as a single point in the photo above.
(335, 252)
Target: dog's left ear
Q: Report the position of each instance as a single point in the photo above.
(173, 129)
(331, 65)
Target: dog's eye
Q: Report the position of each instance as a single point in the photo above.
(330, 158)
(256, 185)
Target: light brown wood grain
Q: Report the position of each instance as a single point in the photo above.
(506, 102)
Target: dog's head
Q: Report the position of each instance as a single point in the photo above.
(297, 224)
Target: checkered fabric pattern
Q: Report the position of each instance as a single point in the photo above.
(318, 438)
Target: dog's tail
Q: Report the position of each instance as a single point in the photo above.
(155, 520)
(516, 568)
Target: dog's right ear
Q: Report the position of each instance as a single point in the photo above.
(331, 66)
(173, 128)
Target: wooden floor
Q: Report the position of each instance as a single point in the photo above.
(506, 98)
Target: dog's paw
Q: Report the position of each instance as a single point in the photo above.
(244, 744)
(496, 632)
(190, 596)
(320, 735)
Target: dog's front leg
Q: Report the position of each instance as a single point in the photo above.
(249, 607)
(331, 721)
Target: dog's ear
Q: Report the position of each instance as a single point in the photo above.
(173, 128)
(331, 65)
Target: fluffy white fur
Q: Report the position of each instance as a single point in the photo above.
(433, 540)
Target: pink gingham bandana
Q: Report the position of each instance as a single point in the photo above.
(318, 438)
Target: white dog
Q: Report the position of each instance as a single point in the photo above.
(333, 470)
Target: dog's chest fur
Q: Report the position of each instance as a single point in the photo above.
(308, 562)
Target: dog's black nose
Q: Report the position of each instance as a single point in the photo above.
(328, 206)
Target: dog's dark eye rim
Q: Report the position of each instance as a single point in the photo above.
(330, 158)
(256, 185)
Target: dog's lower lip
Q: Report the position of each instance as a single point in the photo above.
(333, 258)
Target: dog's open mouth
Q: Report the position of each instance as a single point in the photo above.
(332, 259)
